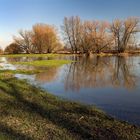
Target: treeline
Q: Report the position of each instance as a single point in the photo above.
(96, 36)
(79, 37)
(43, 38)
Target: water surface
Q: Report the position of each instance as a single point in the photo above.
(110, 83)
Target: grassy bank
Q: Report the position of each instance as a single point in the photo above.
(118, 54)
(30, 113)
(30, 55)
(109, 53)
(42, 63)
(19, 71)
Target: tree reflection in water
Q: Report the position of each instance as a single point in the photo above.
(99, 72)
(49, 75)
(88, 72)
(122, 75)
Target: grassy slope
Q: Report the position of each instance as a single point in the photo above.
(30, 113)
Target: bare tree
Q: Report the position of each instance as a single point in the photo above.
(95, 36)
(45, 38)
(87, 36)
(72, 31)
(123, 31)
(103, 38)
(24, 41)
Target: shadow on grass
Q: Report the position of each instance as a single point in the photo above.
(65, 115)
(55, 115)
(9, 133)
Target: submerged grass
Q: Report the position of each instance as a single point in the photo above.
(20, 71)
(30, 113)
(43, 63)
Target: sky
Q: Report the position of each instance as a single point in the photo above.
(22, 14)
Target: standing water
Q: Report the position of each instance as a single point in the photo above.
(111, 83)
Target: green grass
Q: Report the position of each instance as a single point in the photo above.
(27, 112)
(19, 71)
(42, 63)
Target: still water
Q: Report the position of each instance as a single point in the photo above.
(110, 83)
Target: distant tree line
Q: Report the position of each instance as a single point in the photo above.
(43, 38)
(79, 37)
(96, 36)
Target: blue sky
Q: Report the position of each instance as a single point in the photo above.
(22, 14)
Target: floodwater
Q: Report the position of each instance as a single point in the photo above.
(111, 83)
